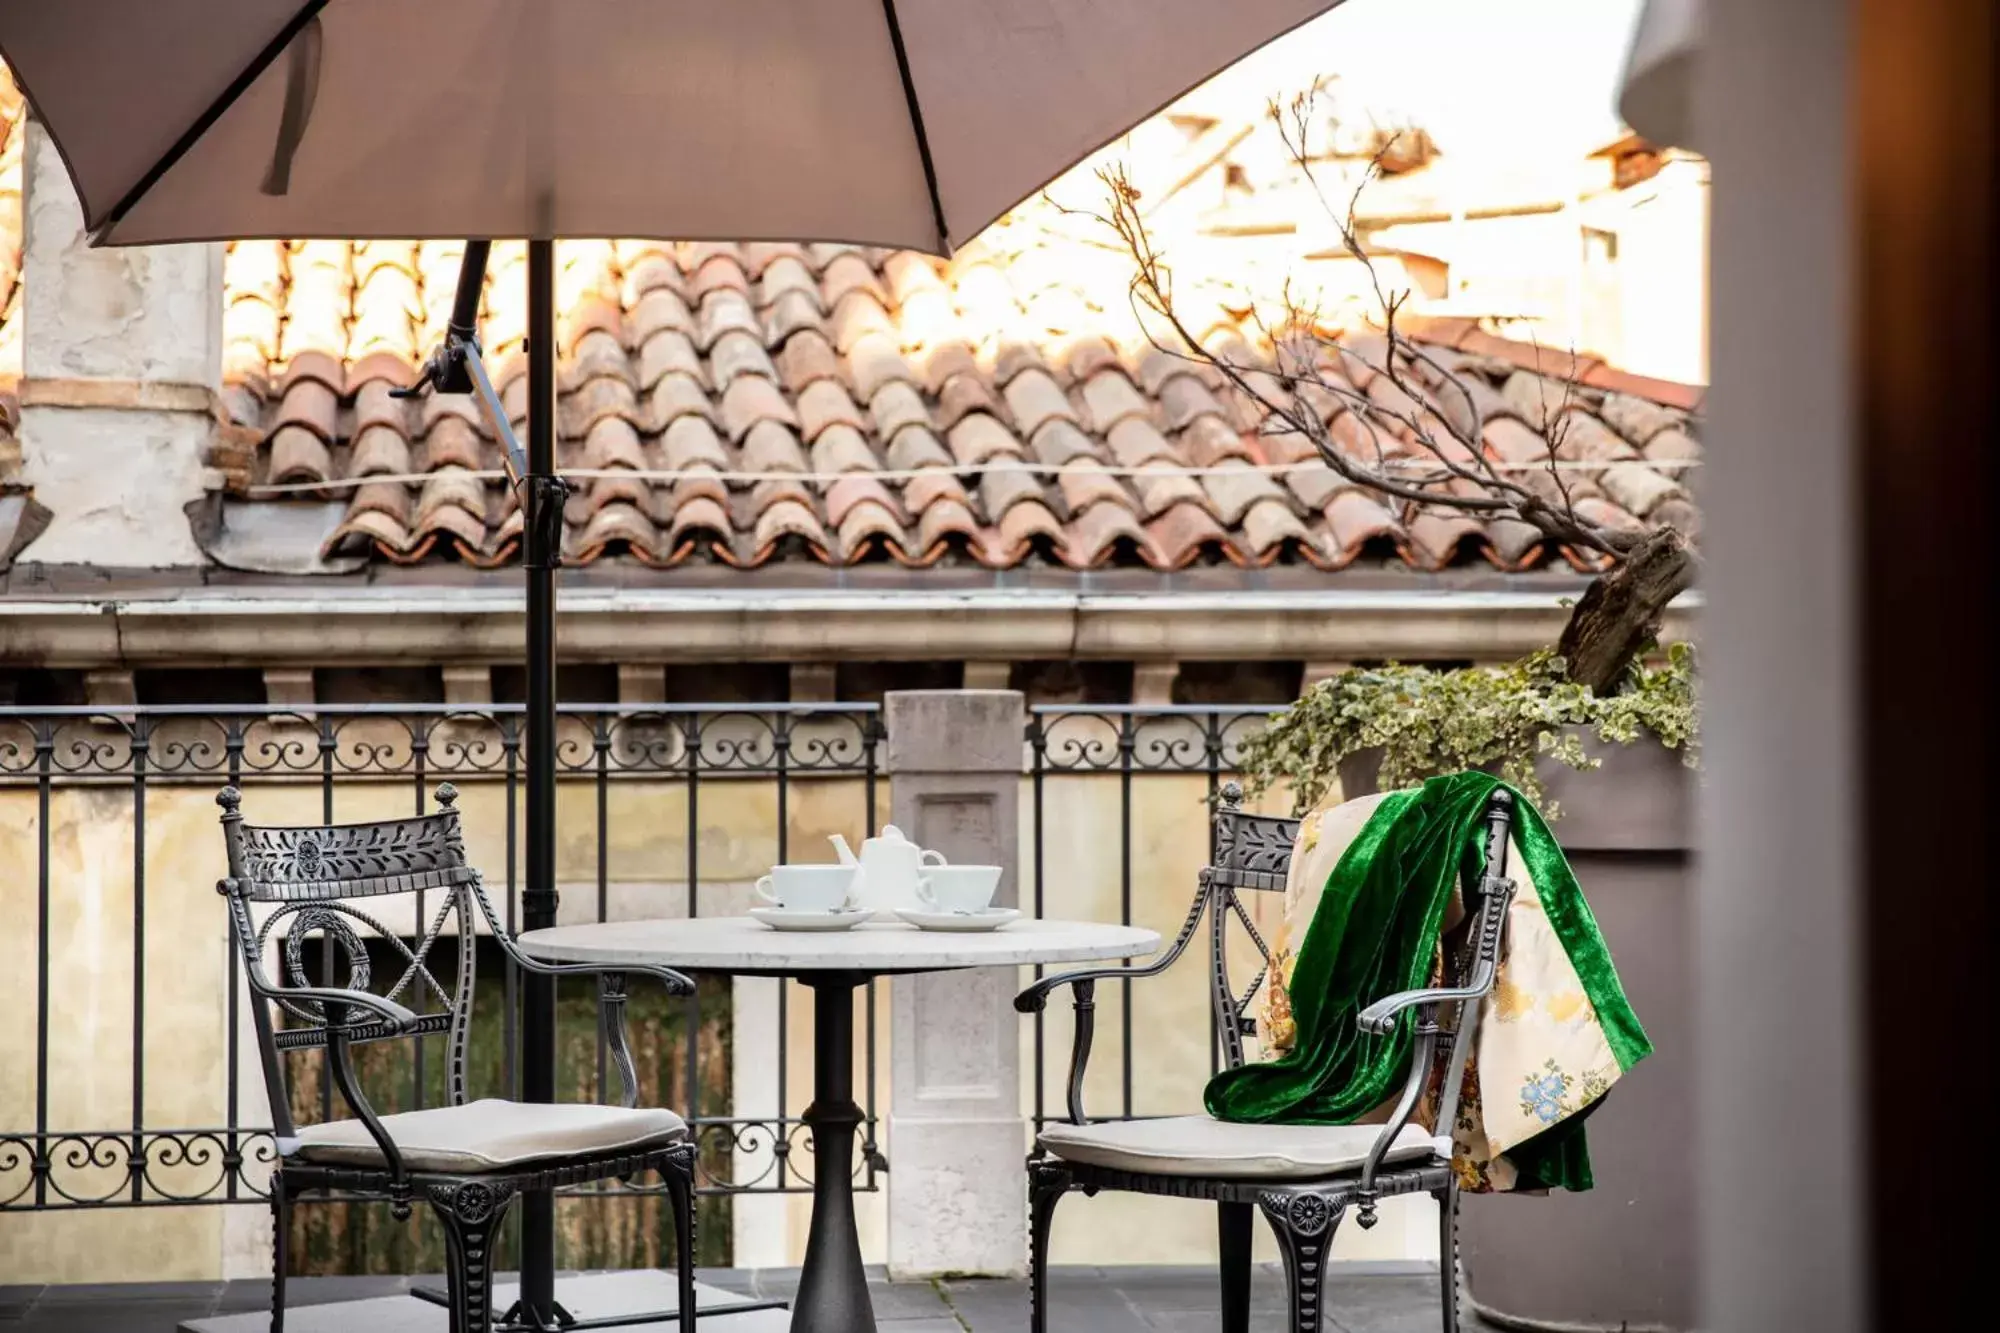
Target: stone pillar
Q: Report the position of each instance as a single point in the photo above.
(1153, 683)
(957, 1141)
(121, 367)
(813, 683)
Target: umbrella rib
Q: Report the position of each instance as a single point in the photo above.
(917, 122)
(216, 110)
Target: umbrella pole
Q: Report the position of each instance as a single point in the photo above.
(456, 367)
(542, 495)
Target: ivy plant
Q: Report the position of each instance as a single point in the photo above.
(1504, 719)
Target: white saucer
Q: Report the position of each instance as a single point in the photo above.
(792, 918)
(992, 918)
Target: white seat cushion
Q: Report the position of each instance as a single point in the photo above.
(492, 1135)
(1196, 1145)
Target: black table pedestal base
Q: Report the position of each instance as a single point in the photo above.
(833, 1288)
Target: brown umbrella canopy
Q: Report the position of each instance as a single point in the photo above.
(909, 123)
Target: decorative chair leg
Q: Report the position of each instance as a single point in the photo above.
(471, 1212)
(1046, 1186)
(678, 1172)
(1232, 1225)
(281, 1247)
(1304, 1224)
(1448, 1261)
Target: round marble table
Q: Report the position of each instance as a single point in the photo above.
(833, 1290)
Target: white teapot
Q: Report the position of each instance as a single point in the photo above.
(887, 869)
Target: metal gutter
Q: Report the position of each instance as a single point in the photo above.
(305, 626)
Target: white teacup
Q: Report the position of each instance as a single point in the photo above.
(808, 888)
(958, 888)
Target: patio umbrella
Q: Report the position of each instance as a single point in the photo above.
(906, 123)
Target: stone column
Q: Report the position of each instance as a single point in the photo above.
(121, 366)
(957, 1140)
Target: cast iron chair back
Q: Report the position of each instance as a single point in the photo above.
(1252, 853)
(314, 876)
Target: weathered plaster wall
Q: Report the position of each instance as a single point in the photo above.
(122, 321)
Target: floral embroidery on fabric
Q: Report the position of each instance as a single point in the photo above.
(1596, 1082)
(1566, 1006)
(1510, 1002)
(1542, 1096)
(1280, 1029)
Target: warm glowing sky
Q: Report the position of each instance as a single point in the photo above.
(1483, 76)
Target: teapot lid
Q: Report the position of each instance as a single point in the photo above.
(890, 833)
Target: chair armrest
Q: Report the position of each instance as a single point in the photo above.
(1083, 983)
(1036, 998)
(381, 1009)
(1084, 992)
(1379, 1018)
(676, 983)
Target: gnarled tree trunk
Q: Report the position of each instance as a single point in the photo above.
(1620, 613)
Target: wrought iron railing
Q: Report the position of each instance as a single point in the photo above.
(1132, 744)
(129, 759)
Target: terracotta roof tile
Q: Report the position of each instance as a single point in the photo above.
(1135, 442)
(963, 394)
(916, 447)
(1110, 398)
(379, 450)
(697, 516)
(1001, 488)
(1355, 518)
(705, 359)
(897, 404)
(788, 518)
(723, 311)
(452, 441)
(858, 489)
(876, 362)
(942, 361)
(1184, 533)
(1268, 525)
(1085, 482)
(771, 446)
(1161, 486)
(1235, 486)
(867, 527)
(938, 523)
(842, 449)
(858, 313)
(978, 438)
(1091, 538)
(1639, 488)
(1021, 530)
(750, 400)
(807, 357)
(1441, 536)
(1059, 442)
(825, 403)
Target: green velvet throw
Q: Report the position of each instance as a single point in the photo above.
(1375, 932)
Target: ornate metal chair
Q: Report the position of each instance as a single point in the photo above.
(1303, 1178)
(467, 1160)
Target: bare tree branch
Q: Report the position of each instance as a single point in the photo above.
(1409, 440)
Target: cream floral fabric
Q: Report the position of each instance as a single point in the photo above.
(1541, 1055)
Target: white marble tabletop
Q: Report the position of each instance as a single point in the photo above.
(738, 944)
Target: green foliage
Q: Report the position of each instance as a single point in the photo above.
(1502, 719)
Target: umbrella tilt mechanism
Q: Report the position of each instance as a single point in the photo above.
(458, 366)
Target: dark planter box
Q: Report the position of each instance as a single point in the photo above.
(1621, 1256)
